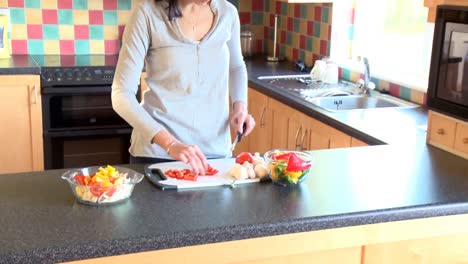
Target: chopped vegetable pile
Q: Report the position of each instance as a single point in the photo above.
(188, 175)
(288, 167)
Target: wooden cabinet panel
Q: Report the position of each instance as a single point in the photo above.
(21, 116)
(442, 130)
(357, 143)
(445, 249)
(280, 119)
(261, 136)
(461, 138)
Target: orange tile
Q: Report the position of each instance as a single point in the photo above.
(417, 97)
(81, 17)
(315, 45)
(123, 16)
(111, 32)
(95, 5)
(51, 47)
(3, 4)
(245, 6)
(49, 4)
(383, 85)
(295, 40)
(96, 46)
(324, 31)
(19, 32)
(310, 12)
(33, 16)
(66, 32)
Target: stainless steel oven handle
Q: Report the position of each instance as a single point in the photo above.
(35, 94)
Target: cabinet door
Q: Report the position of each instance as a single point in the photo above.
(441, 130)
(339, 139)
(357, 143)
(461, 138)
(280, 122)
(21, 119)
(317, 137)
(261, 136)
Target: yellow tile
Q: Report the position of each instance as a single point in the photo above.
(3, 4)
(49, 4)
(95, 5)
(33, 16)
(19, 32)
(291, 8)
(97, 60)
(123, 17)
(303, 26)
(296, 41)
(355, 76)
(283, 21)
(66, 32)
(383, 85)
(51, 47)
(245, 6)
(310, 12)
(111, 32)
(315, 45)
(258, 31)
(96, 46)
(324, 31)
(289, 53)
(81, 17)
(308, 58)
(417, 97)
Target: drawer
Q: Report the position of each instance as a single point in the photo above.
(461, 138)
(442, 130)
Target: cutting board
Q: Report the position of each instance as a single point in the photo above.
(155, 174)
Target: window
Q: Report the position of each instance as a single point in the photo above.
(392, 34)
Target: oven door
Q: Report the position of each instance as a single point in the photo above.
(83, 148)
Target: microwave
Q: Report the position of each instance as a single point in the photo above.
(448, 76)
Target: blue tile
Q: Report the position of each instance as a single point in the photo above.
(51, 32)
(110, 18)
(80, 4)
(17, 16)
(405, 93)
(35, 47)
(32, 4)
(96, 32)
(82, 47)
(65, 17)
(125, 4)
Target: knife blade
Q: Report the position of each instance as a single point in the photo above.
(238, 137)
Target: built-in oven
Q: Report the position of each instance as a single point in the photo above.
(80, 127)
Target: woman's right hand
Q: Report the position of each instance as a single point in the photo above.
(190, 154)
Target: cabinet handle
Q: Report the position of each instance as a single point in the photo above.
(262, 117)
(299, 131)
(440, 131)
(35, 94)
(465, 141)
(304, 137)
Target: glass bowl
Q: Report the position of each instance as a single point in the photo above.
(99, 192)
(278, 161)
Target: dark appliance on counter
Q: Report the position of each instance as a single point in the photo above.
(448, 79)
(80, 127)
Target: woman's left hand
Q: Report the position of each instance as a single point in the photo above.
(241, 116)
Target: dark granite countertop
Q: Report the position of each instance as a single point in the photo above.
(407, 179)
(19, 64)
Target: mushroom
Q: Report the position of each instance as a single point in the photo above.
(257, 159)
(239, 172)
(261, 170)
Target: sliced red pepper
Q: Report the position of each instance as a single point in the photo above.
(282, 156)
(211, 171)
(295, 163)
(80, 179)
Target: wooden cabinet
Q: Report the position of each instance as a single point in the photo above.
(432, 5)
(21, 119)
(261, 137)
(357, 143)
(448, 133)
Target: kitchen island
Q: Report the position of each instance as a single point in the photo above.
(357, 204)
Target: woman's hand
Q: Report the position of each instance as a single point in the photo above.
(240, 116)
(190, 154)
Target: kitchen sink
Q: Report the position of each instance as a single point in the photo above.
(359, 102)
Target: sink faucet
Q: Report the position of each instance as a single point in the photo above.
(366, 85)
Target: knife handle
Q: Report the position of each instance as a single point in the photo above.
(239, 134)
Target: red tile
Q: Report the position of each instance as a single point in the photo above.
(16, 3)
(49, 16)
(111, 46)
(318, 13)
(314, 58)
(302, 42)
(272, 20)
(329, 31)
(310, 28)
(121, 31)
(297, 11)
(290, 24)
(64, 4)
(19, 46)
(323, 47)
(352, 16)
(245, 18)
(257, 5)
(259, 46)
(96, 17)
(340, 73)
(425, 99)
(283, 37)
(34, 31)
(394, 89)
(266, 32)
(68, 61)
(81, 32)
(278, 7)
(67, 47)
(110, 4)
(295, 54)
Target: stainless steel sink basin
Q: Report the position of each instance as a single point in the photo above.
(359, 102)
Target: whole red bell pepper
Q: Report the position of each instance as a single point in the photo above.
(295, 163)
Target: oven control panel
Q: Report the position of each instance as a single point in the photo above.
(58, 76)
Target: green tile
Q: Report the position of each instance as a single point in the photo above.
(271, 33)
(346, 74)
(65, 17)
(32, 4)
(82, 47)
(127, 4)
(266, 4)
(289, 38)
(284, 8)
(51, 32)
(303, 11)
(257, 18)
(350, 32)
(110, 17)
(282, 51)
(35, 47)
(302, 55)
(317, 29)
(17, 16)
(80, 4)
(83, 60)
(405, 93)
(297, 25)
(325, 14)
(309, 45)
(96, 32)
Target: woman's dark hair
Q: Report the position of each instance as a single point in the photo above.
(173, 10)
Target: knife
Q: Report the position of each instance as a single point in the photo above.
(238, 137)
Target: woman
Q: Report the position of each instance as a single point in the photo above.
(191, 50)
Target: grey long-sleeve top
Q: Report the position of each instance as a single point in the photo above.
(189, 81)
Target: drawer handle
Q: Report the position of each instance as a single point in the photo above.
(262, 118)
(465, 141)
(440, 131)
(35, 94)
(299, 132)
